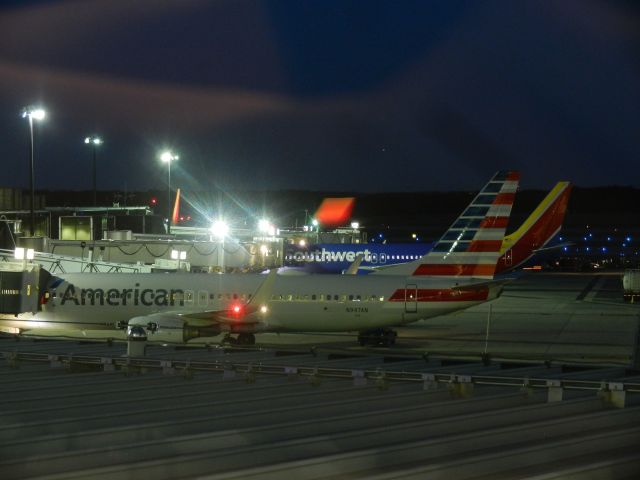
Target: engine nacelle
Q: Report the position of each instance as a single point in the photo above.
(171, 328)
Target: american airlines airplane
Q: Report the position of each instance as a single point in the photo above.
(456, 274)
(535, 236)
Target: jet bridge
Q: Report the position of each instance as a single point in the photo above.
(21, 286)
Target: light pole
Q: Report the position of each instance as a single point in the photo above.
(94, 141)
(32, 113)
(168, 157)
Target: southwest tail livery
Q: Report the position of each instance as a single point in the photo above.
(537, 231)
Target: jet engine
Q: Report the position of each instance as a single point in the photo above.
(167, 328)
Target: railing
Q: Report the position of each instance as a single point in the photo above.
(56, 264)
(231, 369)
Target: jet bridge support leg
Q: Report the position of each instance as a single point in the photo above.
(136, 341)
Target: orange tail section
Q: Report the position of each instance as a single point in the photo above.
(176, 209)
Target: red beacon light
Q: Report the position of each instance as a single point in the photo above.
(236, 310)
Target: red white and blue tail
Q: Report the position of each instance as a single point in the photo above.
(471, 246)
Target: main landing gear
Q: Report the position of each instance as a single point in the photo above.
(242, 339)
(383, 337)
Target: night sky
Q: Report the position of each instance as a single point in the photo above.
(322, 95)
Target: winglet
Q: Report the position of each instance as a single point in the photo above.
(263, 293)
(353, 268)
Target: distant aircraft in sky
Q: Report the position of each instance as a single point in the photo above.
(456, 274)
(534, 236)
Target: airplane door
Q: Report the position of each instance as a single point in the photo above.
(202, 298)
(411, 298)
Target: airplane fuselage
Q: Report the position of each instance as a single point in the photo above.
(295, 303)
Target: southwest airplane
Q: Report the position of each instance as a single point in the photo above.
(533, 237)
(456, 274)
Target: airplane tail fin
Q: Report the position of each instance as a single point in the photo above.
(542, 225)
(176, 209)
(471, 246)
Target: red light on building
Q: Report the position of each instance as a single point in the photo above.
(153, 200)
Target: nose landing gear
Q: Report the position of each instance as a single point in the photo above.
(383, 337)
(241, 339)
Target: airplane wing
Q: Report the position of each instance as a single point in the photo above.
(551, 248)
(249, 313)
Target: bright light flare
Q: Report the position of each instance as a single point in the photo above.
(95, 140)
(168, 156)
(219, 228)
(36, 113)
(263, 225)
(264, 309)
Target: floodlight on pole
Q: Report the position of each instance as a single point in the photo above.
(168, 157)
(94, 141)
(32, 113)
(263, 225)
(220, 229)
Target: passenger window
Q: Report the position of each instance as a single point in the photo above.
(358, 298)
(313, 297)
(351, 298)
(335, 297)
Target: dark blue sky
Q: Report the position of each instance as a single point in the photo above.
(331, 95)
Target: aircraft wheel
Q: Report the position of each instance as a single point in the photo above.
(246, 339)
(390, 337)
